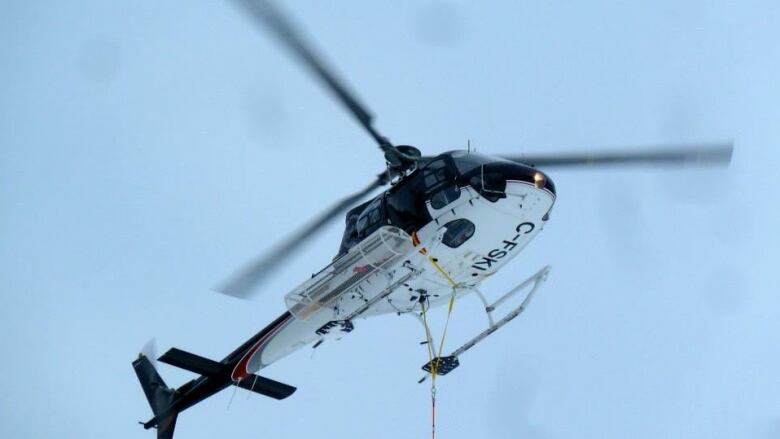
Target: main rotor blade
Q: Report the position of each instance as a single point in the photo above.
(265, 12)
(243, 283)
(693, 155)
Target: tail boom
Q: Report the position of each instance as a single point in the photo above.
(167, 402)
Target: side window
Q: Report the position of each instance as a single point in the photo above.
(445, 196)
(458, 232)
(440, 184)
(435, 173)
(373, 217)
(370, 218)
(362, 224)
(350, 233)
(489, 184)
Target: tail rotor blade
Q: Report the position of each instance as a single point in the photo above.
(149, 350)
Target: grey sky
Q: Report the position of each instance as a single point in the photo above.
(147, 149)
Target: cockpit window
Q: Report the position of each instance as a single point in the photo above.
(435, 173)
(440, 183)
(468, 161)
(445, 196)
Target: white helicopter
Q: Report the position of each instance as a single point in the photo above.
(444, 225)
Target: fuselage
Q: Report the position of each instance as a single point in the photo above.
(440, 231)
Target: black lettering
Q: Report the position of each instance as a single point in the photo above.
(530, 227)
(485, 261)
(509, 245)
(496, 253)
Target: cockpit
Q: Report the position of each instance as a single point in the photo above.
(404, 205)
(439, 182)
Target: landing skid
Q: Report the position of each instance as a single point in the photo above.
(446, 364)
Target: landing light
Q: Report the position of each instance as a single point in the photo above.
(539, 180)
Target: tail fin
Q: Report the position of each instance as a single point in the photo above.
(167, 402)
(159, 395)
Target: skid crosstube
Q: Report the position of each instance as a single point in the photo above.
(445, 365)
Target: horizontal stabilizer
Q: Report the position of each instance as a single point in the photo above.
(191, 362)
(267, 387)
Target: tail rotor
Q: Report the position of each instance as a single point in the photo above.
(160, 396)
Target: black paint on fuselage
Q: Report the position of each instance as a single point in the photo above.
(439, 182)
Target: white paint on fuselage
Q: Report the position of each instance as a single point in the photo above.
(503, 229)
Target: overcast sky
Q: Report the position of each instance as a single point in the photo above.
(149, 148)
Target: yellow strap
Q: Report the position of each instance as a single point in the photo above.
(446, 324)
(452, 299)
(435, 364)
(441, 270)
(428, 339)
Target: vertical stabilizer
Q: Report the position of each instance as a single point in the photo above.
(159, 395)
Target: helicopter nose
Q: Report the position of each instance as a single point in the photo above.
(491, 179)
(526, 174)
(533, 202)
(543, 181)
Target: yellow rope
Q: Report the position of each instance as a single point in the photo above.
(451, 303)
(435, 364)
(428, 338)
(435, 263)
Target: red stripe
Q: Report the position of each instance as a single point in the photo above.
(240, 372)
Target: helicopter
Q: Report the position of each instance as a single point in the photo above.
(441, 225)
